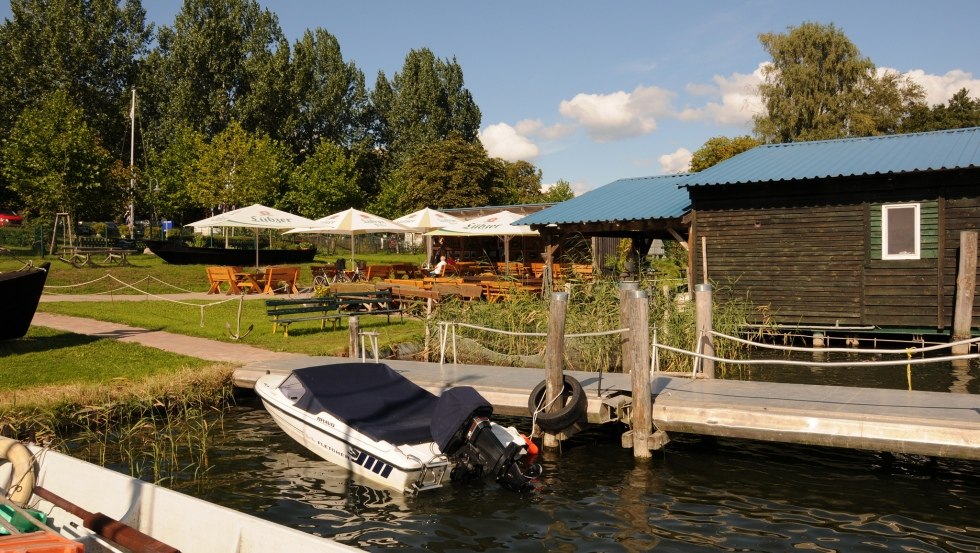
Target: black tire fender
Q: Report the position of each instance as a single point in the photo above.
(574, 406)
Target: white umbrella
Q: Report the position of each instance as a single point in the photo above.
(255, 216)
(352, 222)
(495, 224)
(427, 219)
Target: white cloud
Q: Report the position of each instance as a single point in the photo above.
(736, 99)
(534, 127)
(677, 162)
(940, 88)
(619, 115)
(506, 142)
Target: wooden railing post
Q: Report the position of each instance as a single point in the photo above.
(626, 288)
(554, 356)
(354, 327)
(703, 329)
(639, 337)
(966, 282)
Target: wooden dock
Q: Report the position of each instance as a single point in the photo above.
(925, 423)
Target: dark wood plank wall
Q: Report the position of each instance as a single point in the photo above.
(805, 264)
(807, 253)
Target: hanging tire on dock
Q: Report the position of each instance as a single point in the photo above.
(573, 407)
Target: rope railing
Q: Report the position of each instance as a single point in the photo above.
(906, 351)
(131, 286)
(447, 328)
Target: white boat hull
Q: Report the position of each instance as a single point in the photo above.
(186, 523)
(401, 467)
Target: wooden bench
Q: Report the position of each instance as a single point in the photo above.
(281, 278)
(285, 312)
(413, 300)
(374, 302)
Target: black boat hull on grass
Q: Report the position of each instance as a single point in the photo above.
(21, 291)
(176, 253)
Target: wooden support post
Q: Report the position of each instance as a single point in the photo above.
(966, 282)
(626, 289)
(354, 326)
(639, 325)
(703, 329)
(554, 356)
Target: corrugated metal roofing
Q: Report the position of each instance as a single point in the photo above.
(622, 200)
(890, 154)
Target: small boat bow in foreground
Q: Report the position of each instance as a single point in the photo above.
(79, 507)
(381, 426)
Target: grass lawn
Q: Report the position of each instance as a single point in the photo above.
(209, 322)
(47, 357)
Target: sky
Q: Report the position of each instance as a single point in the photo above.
(591, 92)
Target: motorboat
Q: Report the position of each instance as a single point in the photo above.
(21, 291)
(50, 501)
(386, 429)
(178, 253)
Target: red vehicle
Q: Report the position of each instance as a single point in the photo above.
(8, 217)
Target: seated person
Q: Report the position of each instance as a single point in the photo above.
(440, 267)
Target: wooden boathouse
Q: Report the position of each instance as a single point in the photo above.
(861, 234)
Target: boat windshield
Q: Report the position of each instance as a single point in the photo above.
(292, 389)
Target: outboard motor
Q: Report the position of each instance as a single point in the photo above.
(477, 446)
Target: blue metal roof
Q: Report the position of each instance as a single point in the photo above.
(873, 155)
(622, 200)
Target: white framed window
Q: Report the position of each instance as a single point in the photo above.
(900, 231)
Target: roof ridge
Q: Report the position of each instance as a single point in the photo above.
(869, 138)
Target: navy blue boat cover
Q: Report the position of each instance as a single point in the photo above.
(371, 398)
(450, 422)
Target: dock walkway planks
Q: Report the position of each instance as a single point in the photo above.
(925, 423)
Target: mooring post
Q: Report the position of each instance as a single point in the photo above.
(966, 282)
(703, 329)
(626, 288)
(639, 325)
(554, 355)
(354, 326)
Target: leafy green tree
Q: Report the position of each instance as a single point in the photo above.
(517, 183)
(164, 186)
(718, 149)
(222, 60)
(959, 112)
(330, 95)
(445, 174)
(89, 49)
(239, 168)
(559, 192)
(324, 183)
(54, 163)
(425, 103)
(819, 86)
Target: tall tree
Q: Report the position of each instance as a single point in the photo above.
(54, 163)
(518, 182)
(88, 48)
(221, 60)
(425, 103)
(819, 86)
(718, 149)
(330, 95)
